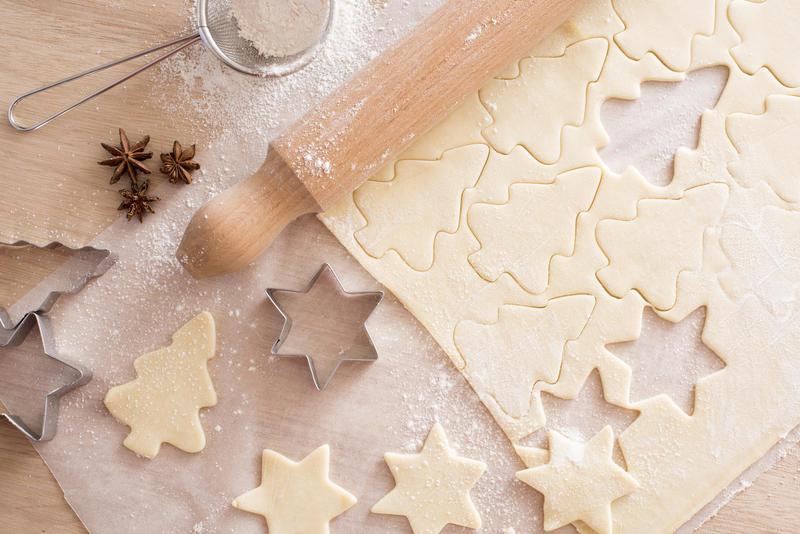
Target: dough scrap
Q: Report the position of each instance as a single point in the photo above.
(665, 27)
(411, 231)
(580, 481)
(162, 405)
(769, 37)
(432, 487)
(532, 109)
(296, 497)
(767, 146)
(523, 246)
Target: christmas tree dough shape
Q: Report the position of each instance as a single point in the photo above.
(296, 497)
(162, 404)
(432, 487)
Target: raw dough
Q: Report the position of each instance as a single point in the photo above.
(593, 479)
(162, 405)
(769, 37)
(296, 497)
(432, 487)
(723, 235)
(279, 28)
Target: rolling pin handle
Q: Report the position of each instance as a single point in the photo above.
(232, 230)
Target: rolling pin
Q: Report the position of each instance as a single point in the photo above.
(344, 140)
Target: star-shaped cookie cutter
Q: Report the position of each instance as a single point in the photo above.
(14, 338)
(13, 333)
(273, 294)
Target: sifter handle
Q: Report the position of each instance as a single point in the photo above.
(179, 45)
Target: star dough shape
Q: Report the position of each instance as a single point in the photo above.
(162, 404)
(296, 497)
(432, 487)
(580, 481)
(325, 324)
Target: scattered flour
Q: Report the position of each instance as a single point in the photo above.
(279, 28)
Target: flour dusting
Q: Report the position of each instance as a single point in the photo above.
(279, 28)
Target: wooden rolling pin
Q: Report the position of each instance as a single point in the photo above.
(343, 141)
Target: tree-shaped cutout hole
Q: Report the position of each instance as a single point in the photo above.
(668, 358)
(646, 132)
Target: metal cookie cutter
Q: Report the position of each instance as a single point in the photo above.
(85, 264)
(329, 325)
(14, 338)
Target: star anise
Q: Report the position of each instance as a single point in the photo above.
(179, 163)
(126, 157)
(137, 201)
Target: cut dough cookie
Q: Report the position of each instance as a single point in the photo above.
(664, 27)
(296, 497)
(525, 346)
(767, 145)
(644, 256)
(162, 404)
(549, 93)
(425, 196)
(538, 222)
(580, 481)
(770, 37)
(432, 487)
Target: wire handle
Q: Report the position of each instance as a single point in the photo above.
(179, 45)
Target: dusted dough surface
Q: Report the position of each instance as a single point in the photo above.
(721, 235)
(296, 497)
(432, 487)
(162, 405)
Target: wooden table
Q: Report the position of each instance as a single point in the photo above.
(29, 496)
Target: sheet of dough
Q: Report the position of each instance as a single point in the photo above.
(723, 235)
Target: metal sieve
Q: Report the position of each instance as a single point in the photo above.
(217, 28)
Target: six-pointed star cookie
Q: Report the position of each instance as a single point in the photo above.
(325, 324)
(432, 487)
(296, 497)
(580, 481)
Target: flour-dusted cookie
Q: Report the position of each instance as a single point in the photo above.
(432, 487)
(162, 404)
(580, 481)
(296, 497)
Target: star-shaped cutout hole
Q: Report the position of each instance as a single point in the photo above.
(30, 384)
(296, 497)
(579, 481)
(325, 324)
(432, 487)
(668, 358)
(582, 417)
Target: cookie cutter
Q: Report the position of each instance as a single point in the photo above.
(13, 334)
(14, 338)
(326, 271)
(105, 259)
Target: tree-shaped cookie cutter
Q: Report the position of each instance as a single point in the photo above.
(12, 334)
